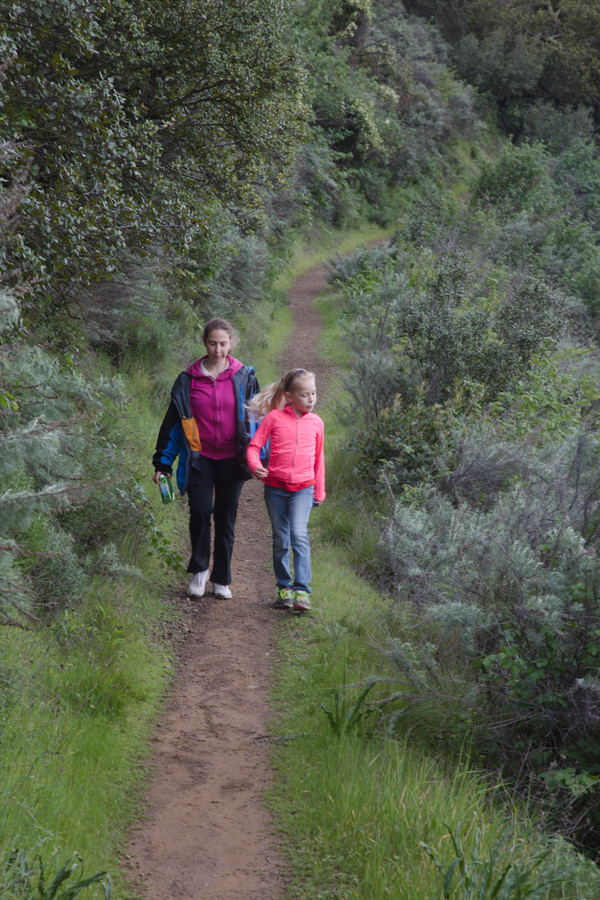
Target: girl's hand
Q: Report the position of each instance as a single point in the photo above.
(157, 475)
(260, 472)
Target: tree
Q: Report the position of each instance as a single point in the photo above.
(520, 48)
(138, 119)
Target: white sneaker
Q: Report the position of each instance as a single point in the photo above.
(222, 591)
(197, 585)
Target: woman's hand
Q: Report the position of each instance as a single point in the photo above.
(156, 476)
(261, 473)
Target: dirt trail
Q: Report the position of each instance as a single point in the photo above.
(206, 834)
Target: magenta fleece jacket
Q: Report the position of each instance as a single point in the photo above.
(213, 408)
(296, 456)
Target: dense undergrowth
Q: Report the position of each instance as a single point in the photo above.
(357, 804)
(86, 648)
(471, 408)
(376, 774)
(382, 787)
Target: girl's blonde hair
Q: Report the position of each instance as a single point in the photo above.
(273, 396)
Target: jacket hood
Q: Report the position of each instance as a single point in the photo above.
(195, 369)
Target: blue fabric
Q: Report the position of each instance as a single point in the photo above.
(289, 512)
(171, 440)
(176, 446)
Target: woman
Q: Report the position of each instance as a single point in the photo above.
(207, 425)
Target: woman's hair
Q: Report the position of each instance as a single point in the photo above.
(220, 325)
(273, 396)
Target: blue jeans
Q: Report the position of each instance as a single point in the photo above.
(289, 512)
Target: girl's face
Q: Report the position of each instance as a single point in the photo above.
(218, 345)
(302, 394)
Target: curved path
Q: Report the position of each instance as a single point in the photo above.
(206, 834)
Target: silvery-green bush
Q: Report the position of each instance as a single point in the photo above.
(53, 454)
(506, 586)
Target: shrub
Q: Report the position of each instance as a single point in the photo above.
(577, 173)
(503, 561)
(505, 66)
(54, 455)
(556, 127)
(364, 261)
(519, 180)
(436, 322)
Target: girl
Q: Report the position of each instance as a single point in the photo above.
(294, 478)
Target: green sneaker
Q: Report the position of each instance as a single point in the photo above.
(301, 601)
(284, 598)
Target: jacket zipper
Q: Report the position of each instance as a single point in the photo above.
(295, 449)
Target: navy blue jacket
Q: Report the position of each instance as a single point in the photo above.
(178, 434)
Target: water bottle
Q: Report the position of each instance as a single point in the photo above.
(166, 489)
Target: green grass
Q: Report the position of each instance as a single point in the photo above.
(323, 244)
(75, 723)
(275, 326)
(353, 808)
(330, 345)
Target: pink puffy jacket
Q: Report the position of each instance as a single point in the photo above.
(296, 457)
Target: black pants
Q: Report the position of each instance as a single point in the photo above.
(222, 478)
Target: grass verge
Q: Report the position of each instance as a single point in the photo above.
(324, 243)
(353, 804)
(79, 694)
(76, 719)
(360, 812)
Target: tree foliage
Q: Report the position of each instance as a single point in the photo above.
(138, 120)
(383, 98)
(519, 50)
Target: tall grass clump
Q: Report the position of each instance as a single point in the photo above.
(27, 880)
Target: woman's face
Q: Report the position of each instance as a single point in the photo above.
(218, 345)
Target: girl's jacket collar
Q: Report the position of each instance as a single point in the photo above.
(290, 410)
